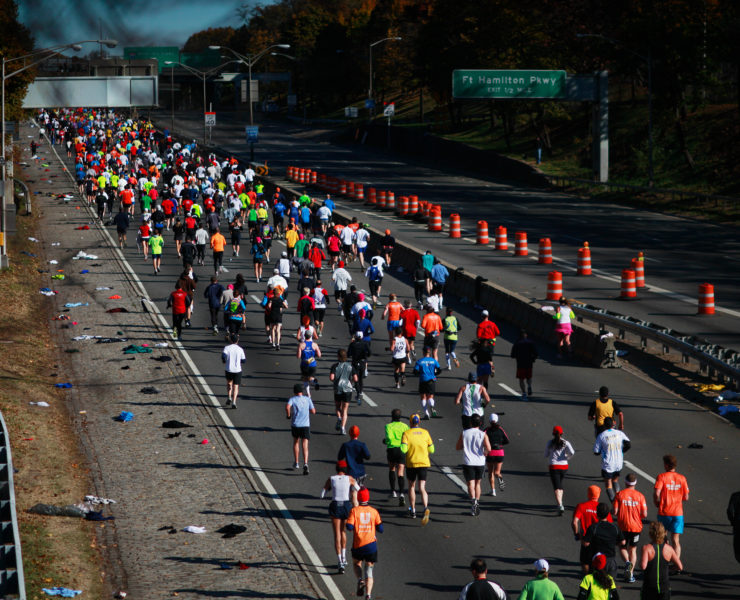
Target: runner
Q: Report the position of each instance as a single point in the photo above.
(156, 243)
(387, 244)
(584, 516)
(558, 452)
(374, 274)
(320, 299)
(396, 461)
(308, 352)
(603, 537)
(358, 352)
(604, 407)
(343, 490)
(630, 509)
(179, 302)
(417, 445)
(299, 410)
(495, 460)
(274, 311)
(213, 293)
(234, 358)
(234, 313)
(525, 353)
(451, 332)
(121, 221)
(482, 357)
(364, 521)
(439, 275)
(671, 491)
(343, 375)
(427, 368)
(362, 238)
(598, 584)
(475, 445)
(473, 399)
(399, 356)
(393, 312)
(564, 315)
(541, 587)
(487, 330)
(218, 243)
(341, 279)
(611, 445)
(481, 588)
(145, 233)
(410, 321)
(432, 326)
(355, 453)
(655, 560)
(305, 327)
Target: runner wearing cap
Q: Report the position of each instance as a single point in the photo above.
(541, 587)
(343, 490)
(393, 312)
(410, 321)
(417, 444)
(630, 509)
(396, 461)
(487, 330)
(598, 584)
(495, 458)
(341, 279)
(475, 445)
(473, 399)
(558, 452)
(364, 521)
(355, 453)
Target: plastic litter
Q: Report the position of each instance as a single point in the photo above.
(84, 271)
(47, 292)
(162, 358)
(61, 591)
(622, 352)
(80, 338)
(727, 395)
(32, 239)
(76, 304)
(114, 297)
(103, 287)
(94, 515)
(92, 499)
(41, 403)
(56, 243)
(111, 340)
(83, 227)
(696, 446)
(52, 510)
(162, 345)
(225, 566)
(194, 529)
(125, 416)
(204, 442)
(85, 255)
(64, 386)
(58, 276)
(53, 262)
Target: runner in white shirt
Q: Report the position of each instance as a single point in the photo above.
(362, 237)
(320, 298)
(324, 214)
(249, 174)
(473, 399)
(611, 445)
(400, 353)
(347, 237)
(306, 327)
(341, 279)
(233, 357)
(475, 446)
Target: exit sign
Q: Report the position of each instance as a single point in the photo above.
(482, 83)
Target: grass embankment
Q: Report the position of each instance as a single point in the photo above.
(57, 551)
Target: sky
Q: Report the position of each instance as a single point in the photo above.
(131, 22)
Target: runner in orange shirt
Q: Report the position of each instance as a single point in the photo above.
(671, 491)
(630, 509)
(218, 243)
(432, 326)
(393, 311)
(364, 521)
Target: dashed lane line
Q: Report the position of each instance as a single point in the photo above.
(454, 478)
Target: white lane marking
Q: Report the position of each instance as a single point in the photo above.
(511, 391)
(653, 259)
(369, 400)
(455, 479)
(639, 471)
(286, 515)
(469, 240)
(253, 297)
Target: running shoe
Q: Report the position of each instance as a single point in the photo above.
(493, 491)
(215, 329)
(403, 380)
(228, 402)
(394, 494)
(305, 469)
(425, 518)
(476, 508)
(344, 431)
(501, 483)
(401, 500)
(340, 568)
(296, 466)
(449, 366)
(628, 572)
(398, 385)
(524, 398)
(360, 587)
(411, 513)
(338, 426)
(359, 399)
(529, 390)
(434, 414)
(561, 510)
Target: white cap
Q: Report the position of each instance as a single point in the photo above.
(485, 313)
(541, 565)
(358, 335)
(493, 418)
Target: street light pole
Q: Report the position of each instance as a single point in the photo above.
(172, 97)
(370, 65)
(649, 60)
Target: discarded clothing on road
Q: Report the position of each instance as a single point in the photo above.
(194, 529)
(134, 349)
(150, 390)
(125, 416)
(61, 591)
(118, 309)
(175, 425)
(231, 530)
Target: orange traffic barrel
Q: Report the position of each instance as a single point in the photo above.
(403, 206)
(381, 199)
(351, 189)
(301, 176)
(482, 235)
(435, 218)
(629, 288)
(314, 176)
(342, 188)
(413, 205)
(502, 240)
(455, 226)
(390, 198)
(554, 285)
(544, 256)
(290, 173)
(706, 299)
(371, 199)
(520, 248)
(639, 269)
(359, 192)
(584, 260)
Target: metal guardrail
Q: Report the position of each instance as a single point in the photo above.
(12, 583)
(563, 181)
(667, 340)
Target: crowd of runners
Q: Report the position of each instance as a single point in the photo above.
(174, 196)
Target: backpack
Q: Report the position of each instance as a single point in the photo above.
(234, 307)
(374, 273)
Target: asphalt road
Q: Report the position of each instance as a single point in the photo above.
(680, 253)
(517, 526)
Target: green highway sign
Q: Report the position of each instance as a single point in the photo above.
(484, 83)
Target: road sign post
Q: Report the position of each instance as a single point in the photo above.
(253, 134)
(389, 111)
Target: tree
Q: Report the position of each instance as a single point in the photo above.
(213, 36)
(15, 40)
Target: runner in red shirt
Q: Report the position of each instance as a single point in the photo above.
(487, 329)
(583, 517)
(410, 321)
(179, 301)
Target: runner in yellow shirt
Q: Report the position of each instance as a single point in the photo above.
(417, 444)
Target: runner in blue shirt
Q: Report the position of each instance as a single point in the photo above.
(427, 368)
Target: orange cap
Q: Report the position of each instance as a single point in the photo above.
(594, 491)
